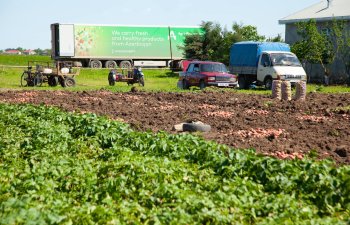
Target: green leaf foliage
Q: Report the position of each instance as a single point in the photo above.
(314, 46)
(65, 168)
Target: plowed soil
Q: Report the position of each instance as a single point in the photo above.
(284, 129)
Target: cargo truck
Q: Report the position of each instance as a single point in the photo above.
(260, 63)
(109, 46)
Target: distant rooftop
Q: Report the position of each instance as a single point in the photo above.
(323, 11)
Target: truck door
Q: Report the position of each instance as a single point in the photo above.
(189, 72)
(264, 68)
(195, 75)
(66, 40)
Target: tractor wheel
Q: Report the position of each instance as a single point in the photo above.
(24, 80)
(69, 82)
(142, 81)
(61, 81)
(38, 80)
(111, 80)
(52, 81)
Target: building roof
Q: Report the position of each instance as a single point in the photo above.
(322, 11)
(12, 51)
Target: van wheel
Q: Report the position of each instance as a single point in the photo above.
(268, 83)
(242, 82)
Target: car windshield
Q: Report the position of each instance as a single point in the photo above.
(284, 59)
(213, 68)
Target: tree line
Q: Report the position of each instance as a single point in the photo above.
(214, 44)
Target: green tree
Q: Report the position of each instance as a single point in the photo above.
(216, 42)
(246, 33)
(315, 47)
(278, 38)
(20, 49)
(39, 51)
(193, 46)
(341, 39)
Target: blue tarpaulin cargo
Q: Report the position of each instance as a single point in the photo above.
(246, 54)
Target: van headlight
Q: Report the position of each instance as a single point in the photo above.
(211, 78)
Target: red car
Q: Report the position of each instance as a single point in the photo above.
(206, 73)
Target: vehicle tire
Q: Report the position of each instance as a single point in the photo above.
(38, 80)
(52, 81)
(61, 81)
(96, 64)
(202, 85)
(110, 64)
(24, 79)
(193, 127)
(111, 80)
(125, 64)
(142, 81)
(69, 82)
(242, 82)
(268, 83)
(185, 84)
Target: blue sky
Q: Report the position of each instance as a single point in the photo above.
(26, 23)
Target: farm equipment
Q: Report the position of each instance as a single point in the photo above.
(130, 76)
(39, 72)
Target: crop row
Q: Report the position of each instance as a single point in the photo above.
(65, 168)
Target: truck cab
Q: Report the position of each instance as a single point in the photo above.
(260, 63)
(277, 65)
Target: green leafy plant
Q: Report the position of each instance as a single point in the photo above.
(65, 168)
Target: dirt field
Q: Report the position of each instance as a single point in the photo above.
(277, 128)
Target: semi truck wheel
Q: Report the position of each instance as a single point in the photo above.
(125, 64)
(110, 64)
(96, 64)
